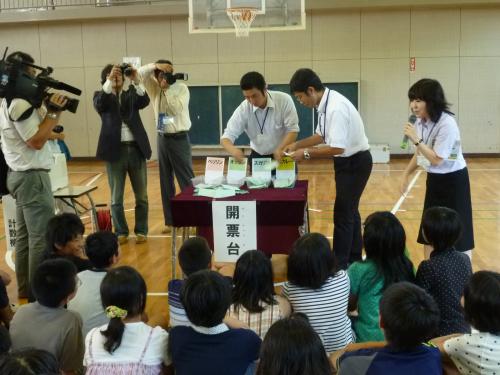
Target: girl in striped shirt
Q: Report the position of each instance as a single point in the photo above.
(317, 289)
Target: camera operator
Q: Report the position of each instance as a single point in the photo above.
(124, 145)
(25, 131)
(171, 108)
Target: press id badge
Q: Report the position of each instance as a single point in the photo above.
(260, 139)
(423, 162)
(454, 151)
(164, 121)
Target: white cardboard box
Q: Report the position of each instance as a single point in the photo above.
(381, 152)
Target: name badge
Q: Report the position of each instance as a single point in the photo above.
(164, 121)
(454, 151)
(423, 162)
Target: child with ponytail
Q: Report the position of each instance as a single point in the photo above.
(126, 345)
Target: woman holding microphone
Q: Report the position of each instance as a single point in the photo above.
(438, 150)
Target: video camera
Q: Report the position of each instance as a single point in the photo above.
(16, 82)
(171, 78)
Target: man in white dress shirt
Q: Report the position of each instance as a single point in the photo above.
(341, 131)
(171, 108)
(25, 131)
(269, 118)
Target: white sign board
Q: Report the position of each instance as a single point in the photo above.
(9, 219)
(133, 60)
(214, 171)
(236, 171)
(261, 168)
(235, 229)
(286, 169)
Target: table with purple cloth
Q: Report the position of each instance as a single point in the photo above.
(280, 213)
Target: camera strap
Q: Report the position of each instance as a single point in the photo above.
(24, 116)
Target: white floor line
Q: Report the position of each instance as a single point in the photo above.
(9, 261)
(403, 196)
(94, 179)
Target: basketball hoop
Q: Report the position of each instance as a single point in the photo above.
(242, 18)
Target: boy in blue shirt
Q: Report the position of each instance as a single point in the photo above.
(409, 317)
(209, 346)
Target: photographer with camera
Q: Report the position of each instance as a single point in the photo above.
(124, 145)
(25, 131)
(171, 108)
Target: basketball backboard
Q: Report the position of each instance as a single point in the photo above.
(210, 16)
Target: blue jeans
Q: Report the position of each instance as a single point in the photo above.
(131, 161)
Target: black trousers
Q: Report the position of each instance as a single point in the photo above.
(351, 176)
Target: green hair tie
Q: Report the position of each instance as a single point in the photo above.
(115, 312)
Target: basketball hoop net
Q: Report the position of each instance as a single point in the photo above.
(242, 18)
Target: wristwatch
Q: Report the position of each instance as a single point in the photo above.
(307, 155)
(51, 115)
(418, 142)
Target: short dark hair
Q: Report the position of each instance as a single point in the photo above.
(441, 227)
(5, 342)
(253, 80)
(206, 296)
(21, 57)
(161, 61)
(61, 229)
(29, 361)
(54, 280)
(304, 78)
(105, 72)
(194, 255)
(123, 287)
(384, 240)
(432, 93)
(292, 347)
(311, 261)
(100, 247)
(253, 281)
(409, 315)
(482, 301)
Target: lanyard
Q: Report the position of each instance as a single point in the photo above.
(323, 115)
(263, 122)
(428, 135)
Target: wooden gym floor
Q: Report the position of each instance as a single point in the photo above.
(153, 258)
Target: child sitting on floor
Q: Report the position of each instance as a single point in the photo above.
(386, 263)
(317, 289)
(447, 271)
(409, 317)
(126, 345)
(64, 238)
(254, 301)
(102, 250)
(479, 352)
(209, 346)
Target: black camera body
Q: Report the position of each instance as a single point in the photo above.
(15, 82)
(171, 78)
(126, 69)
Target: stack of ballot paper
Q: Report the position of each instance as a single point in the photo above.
(217, 191)
(257, 182)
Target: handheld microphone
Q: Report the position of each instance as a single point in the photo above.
(404, 144)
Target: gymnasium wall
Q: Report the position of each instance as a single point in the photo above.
(459, 47)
